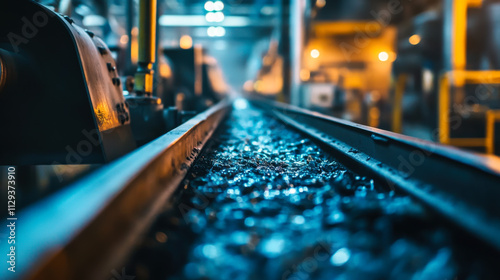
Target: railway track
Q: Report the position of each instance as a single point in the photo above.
(264, 201)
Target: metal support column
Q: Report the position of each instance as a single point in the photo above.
(147, 47)
(297, 10)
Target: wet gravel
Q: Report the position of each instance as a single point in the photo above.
(263, 202)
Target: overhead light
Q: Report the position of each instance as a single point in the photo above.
(209, 6)
(383, 56)
(214, 17)
(216, 31)
(219, 17)
(414, 39)
(201, 21)
(218, 6)
(315, 53)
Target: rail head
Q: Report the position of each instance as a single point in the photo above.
(86, 230)
(463, 187)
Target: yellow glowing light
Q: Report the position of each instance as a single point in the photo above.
(305, 75)
(186, 42)
(320, 3)
(392, 56)
(383, 56)
(414, 39)
(315, 53)
(134, 46)
(165, 70)
(124, 39)
(258, 86)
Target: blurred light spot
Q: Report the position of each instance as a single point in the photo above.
(315, 53)
(94, 20)
(218, 6)
(209, 6)
(240, 104)
(305, 75)
(123, 39)
(248, 86)
(186, 42)
(165, 70)
(214, 31)
(427, 80)
(273, 246)
(320, 3)
(267, 10)
(337, 217)
(340, 257)
(238, 215)
(83, 10)
(299, 220)
(383, 56)
(210, 251)
(249, 222)
(214, 16)
(200, 21)
(161, 237)
(414, 39)
(134, 45)
(240, 238)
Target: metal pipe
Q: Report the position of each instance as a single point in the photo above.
(147, 47)
(297, 10)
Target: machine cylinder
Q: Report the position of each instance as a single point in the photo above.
(147, 47)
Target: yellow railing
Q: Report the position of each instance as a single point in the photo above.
(397, 111)
(461, 78)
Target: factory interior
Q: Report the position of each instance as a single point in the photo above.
(250, 139)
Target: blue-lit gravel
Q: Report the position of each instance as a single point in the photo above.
(263, 202)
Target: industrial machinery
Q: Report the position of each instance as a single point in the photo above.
(60, 94)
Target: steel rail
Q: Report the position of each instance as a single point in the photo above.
(461, 186)
(87, 230)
